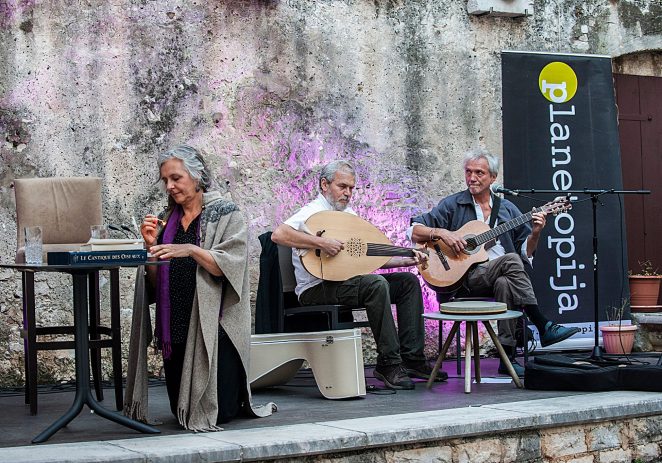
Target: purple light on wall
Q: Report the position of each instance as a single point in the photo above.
(293, 146)
(14, 9)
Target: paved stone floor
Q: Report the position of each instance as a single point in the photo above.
(298, 402)
(307, 424)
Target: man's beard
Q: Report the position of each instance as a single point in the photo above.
(337, 205)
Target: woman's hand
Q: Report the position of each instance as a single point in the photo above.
(201, 256)
(149, 230)
(170, 251)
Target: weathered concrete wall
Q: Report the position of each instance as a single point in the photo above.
(269, 89)
(636, 440)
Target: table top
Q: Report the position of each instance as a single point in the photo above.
(75, 267)
(473, 318)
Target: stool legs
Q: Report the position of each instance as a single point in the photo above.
(476, 343)
(454, 329)
(502, 354)
(467, 358)
(458, 355)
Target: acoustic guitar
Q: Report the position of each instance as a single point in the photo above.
(446, 270)
(365, 247)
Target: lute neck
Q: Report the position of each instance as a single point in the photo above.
(375, 249)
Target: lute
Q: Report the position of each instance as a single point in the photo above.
(366, 248)
(446, 270)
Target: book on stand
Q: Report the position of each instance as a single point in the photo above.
(96, 244)
(131, 256)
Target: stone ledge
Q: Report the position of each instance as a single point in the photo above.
(354, 434)
(650, 318)
(649, 335)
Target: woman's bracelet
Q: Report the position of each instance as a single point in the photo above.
(431, 234)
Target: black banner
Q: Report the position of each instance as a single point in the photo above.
(560, 133)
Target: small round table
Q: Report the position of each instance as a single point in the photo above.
(472, 327)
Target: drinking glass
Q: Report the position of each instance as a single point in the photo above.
(33, 245)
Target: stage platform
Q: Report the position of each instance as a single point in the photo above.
(308, 424)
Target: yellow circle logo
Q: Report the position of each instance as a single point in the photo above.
(557, 82)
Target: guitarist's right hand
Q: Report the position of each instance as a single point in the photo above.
(330, 247)
(451, 239)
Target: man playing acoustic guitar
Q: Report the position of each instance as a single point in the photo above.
(503, 275)
(399, 351)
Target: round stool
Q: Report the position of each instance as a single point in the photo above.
(471, 318)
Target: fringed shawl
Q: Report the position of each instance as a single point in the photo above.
(223, 232)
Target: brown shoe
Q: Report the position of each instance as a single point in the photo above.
(423, 370)
(393, 376)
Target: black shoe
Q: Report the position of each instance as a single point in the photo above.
(503, 369)
(423, 370)
(556, 333)
(393, 376)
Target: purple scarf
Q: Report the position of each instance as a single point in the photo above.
(162, 329)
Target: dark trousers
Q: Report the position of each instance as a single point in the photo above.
(376, 293)
(505, 279)
(231, 377)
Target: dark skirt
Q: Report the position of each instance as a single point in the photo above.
(231, 377)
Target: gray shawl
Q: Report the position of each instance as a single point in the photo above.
(223, 232)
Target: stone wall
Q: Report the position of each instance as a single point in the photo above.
(637, 440)
(269, 90)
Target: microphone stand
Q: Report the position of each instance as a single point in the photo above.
(123, 229)
(597, 354)
(116, 228)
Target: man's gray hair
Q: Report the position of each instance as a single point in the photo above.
(329, 170)
(476, 154)
(193, 162)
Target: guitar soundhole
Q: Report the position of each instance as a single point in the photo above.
(355, 247)
(471, 247)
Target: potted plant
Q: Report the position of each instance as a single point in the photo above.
(645, 288)
(617, 338)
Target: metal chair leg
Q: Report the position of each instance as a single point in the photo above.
(526, 339)
(95, 316)
(116, 336)
(30, 341)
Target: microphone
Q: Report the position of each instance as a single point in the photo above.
(501, 189)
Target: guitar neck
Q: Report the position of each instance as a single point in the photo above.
(375, 249)
(493, 233)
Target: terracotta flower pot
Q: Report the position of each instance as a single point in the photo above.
(618, 339)
(644, 291)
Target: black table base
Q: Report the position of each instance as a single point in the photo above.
(84, 394)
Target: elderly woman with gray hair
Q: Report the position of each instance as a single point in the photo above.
(203, 317)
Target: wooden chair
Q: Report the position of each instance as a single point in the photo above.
(277, 307)
(65, 208)
(335, 317)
